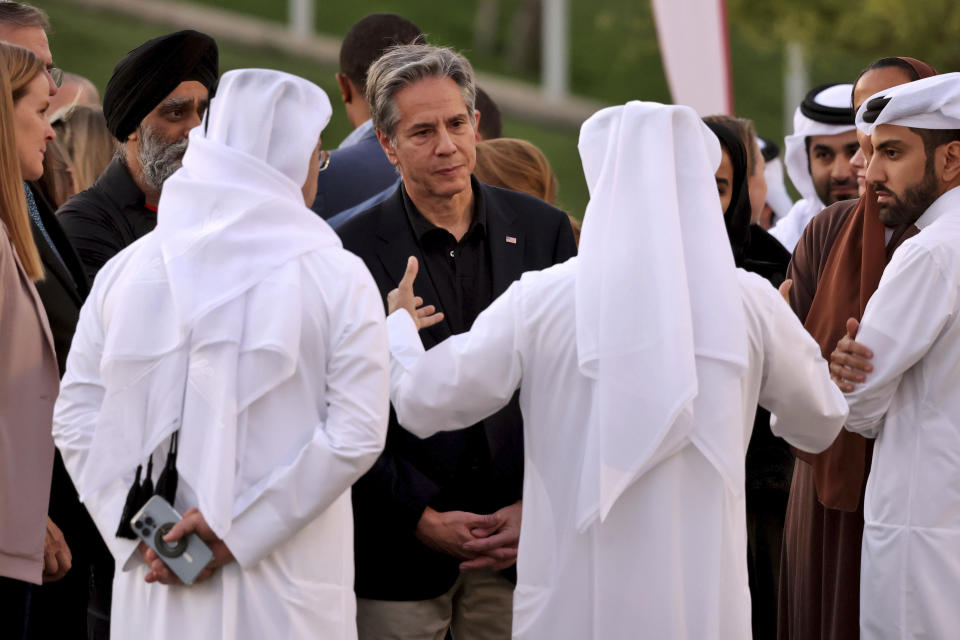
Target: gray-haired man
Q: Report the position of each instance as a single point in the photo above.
(427, 558)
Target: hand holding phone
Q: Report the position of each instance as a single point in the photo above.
(186, 557)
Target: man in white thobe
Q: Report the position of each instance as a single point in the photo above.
(817, 156)
(910, 567)
(241, 326)
(640, 365)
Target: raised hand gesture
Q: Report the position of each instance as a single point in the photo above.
(403, 298)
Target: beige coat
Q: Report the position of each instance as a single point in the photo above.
(29, 382)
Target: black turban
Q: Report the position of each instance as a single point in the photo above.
(147, 75)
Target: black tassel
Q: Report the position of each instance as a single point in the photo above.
(167, 482)
(146, 489)
(130, 508)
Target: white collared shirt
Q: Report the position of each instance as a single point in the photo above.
(911, 404)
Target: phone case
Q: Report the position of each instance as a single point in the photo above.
(186, 557)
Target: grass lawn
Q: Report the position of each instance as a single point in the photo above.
(614, 58)
(91, 42)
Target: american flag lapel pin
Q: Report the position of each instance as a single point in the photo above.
(511, 240)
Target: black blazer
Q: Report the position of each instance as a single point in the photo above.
(62, 290)
(391, 564)
(354, 174)
(59, 609)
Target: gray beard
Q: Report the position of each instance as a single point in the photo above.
(158, 158)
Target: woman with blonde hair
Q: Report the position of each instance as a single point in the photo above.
(518, 165)
(58, 181)
(89, 146)
(28, 368)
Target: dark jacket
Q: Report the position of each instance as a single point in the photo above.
(524, 234)
(354, 174)
(106, 218)
(65, 285)
(769, 461)
(59, 609)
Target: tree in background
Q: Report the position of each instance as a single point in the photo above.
(925, 29)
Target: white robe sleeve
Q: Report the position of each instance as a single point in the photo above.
(75, 420)
(344, 447)
(808, 408)
(463, 379)
(902, 320)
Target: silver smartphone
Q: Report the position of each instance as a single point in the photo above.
(186, 557)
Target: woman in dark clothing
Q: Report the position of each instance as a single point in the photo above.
(769, 463)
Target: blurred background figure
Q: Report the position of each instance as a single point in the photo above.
(359, 169)
(57, 183)
(74, 90)
(518, 165)
(88, 144)
(491, 124)
(778, 202)
(32, 548)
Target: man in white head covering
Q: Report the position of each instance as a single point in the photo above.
(817, 156)
(240, 343)
(910, 571)
(640, 364)
(778, 202)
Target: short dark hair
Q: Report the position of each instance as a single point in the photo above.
(933, 138)
(22, 15)
(491, 127)
(369, 39)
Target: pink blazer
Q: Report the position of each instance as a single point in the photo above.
(29, 382)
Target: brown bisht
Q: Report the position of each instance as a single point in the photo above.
(835, 269)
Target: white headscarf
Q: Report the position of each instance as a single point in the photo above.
(837, 96)
(659, 311)
(214, 289)
(789, 228)
(928, 103)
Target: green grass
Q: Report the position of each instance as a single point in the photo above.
(91, 42)
(614, 58)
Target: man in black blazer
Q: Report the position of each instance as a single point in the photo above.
(424, 498)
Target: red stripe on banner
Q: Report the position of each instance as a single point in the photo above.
(725, 37)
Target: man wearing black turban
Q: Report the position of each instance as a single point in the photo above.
(158, 92)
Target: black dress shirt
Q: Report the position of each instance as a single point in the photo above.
(460, 273)
(478, 469)
(106, 218)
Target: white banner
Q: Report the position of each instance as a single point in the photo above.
(695, 47)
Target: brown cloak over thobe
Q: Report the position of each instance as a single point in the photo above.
(836, 267)
(820, 563)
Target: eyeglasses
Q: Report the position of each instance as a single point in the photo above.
(56, 74)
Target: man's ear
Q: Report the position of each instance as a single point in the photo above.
(951, 162)
(346, 88)
(476, 126)
(387, 145)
